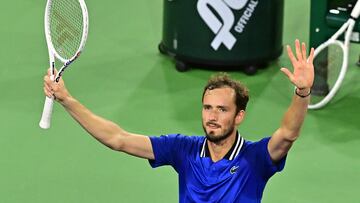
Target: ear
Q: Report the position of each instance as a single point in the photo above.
(239, 117)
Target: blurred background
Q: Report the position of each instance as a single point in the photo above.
(122, 76)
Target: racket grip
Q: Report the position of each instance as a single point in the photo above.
(45, 121)
(356, 10)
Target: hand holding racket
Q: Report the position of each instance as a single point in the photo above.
(55, 90)
(331, 62)
(66, 30)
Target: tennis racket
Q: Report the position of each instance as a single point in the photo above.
(331, 62)
(66, 30)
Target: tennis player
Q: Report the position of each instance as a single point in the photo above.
(221, 166)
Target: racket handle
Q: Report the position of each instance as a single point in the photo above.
(45, 121)
(356, 10)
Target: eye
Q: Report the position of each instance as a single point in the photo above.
(222, 109)
(206, 107)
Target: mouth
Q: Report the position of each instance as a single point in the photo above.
(212, 125)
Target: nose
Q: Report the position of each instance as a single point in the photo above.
(213, 115)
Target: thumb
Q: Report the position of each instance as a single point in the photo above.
(49, 71)
(288, 73)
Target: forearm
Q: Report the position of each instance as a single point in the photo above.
(302, 77)
(295, 115)
(101, 129)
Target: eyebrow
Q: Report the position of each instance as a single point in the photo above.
(218, 106)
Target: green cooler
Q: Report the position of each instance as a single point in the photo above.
(222, 34)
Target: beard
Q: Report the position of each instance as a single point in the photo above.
(218, 138)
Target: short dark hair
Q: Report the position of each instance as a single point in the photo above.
(223, 80)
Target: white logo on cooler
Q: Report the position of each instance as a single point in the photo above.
(221, 27)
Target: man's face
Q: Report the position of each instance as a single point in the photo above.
(219, 117)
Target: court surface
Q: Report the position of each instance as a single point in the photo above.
(122, 77)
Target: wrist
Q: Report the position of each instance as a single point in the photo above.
(65, 101)
(302, 92)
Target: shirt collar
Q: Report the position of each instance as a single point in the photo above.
(232, 153)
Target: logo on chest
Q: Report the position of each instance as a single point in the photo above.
(234, 169)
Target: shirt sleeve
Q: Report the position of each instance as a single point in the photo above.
(264, 163)
(169, 150)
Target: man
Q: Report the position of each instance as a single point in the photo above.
(222, 166)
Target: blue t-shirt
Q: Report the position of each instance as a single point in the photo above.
(239, 177)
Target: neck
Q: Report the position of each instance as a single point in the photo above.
(219, 149)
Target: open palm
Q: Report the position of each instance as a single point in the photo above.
(303, 73)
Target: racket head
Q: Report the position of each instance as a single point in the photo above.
(66, 28)
(330, 60)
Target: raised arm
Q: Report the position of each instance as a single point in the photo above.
(302, 77)
(105, 131)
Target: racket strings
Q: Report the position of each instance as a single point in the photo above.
(66, 27)
(328, 65)
(335, 61)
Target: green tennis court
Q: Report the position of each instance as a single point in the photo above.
(122, 77)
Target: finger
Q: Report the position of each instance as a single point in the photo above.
(297, 49)
(290, 54)
(303, 50)
(47, 80)
(46, 86)
(311, 56)
(47, 92)
(288, 74)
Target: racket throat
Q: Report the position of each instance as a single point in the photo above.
(320, 87)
